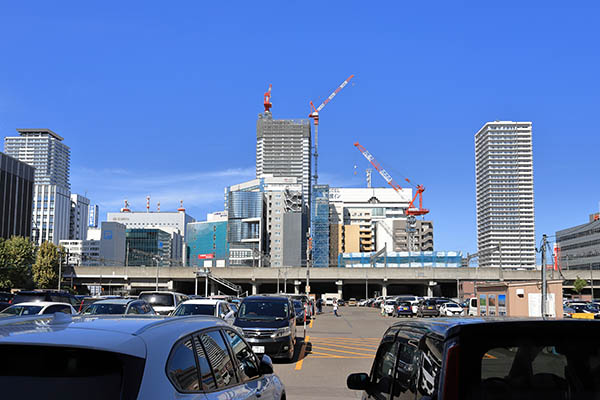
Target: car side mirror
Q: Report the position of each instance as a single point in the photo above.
(358, 381)
(266, 365)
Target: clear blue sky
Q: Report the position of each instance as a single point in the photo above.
(161, 98)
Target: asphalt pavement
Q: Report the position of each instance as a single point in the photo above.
(335, 348)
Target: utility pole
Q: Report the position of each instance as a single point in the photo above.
(544, 283)
(501, 272)
(592, 281)
(60, 261)
(278, 271)
(156, 259)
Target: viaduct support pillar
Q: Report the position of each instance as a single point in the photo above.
(297, 287)
(340, 289)
(254, 288)
(384, 286)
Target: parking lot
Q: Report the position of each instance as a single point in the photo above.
(335, 347)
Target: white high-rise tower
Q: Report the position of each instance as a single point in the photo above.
(505, 207)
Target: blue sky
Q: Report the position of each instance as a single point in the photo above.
(161, 98)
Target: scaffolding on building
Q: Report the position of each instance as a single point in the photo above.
(319, 226)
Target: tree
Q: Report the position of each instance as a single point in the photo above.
(579, 284)
(17, 255)
(45, 269)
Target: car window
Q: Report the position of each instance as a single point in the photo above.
(104, 308)
(207, 377)
(248, 364)
(224, 308)
(383, 370)
(181, 367)
(133, 309)
(220, 361)
(22, 310)
(429, 368)
(58, 308)
(195, 309)
(158, 299)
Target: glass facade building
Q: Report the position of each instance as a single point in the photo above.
(245, 217)
(206, 241)
(147, 246)
(319, 226)
(16, 197)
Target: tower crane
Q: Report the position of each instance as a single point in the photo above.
(267, 102)
(412, 209)
(411, 212)
(315, 116)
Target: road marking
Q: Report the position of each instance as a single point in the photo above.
(301, 355)
(344, 347)
(341, 351)
(311, 323)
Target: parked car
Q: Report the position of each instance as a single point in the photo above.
(130, 357)
(341, 302)
(427, 308)
(45, 295)
(329, 301)
(451, 309)
(269, 325)
(37, 308)
(5, 300)
(414, 301)
(469, 358)
(86, 301)
(214, 308)
(389, 307)
(472, 307)
(362, 302)
(403, 309)
(299, 310)
(119, 306)
(163, 302)
(352, 302)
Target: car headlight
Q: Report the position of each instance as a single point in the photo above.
(281, 332)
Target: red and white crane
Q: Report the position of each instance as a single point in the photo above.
(315, 116)
(267, 102)
(412, 209)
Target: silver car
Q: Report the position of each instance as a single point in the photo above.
(131, 357)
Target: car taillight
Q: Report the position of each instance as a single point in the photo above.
(450, 386)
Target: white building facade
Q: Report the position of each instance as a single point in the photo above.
(505, 197)
(78, 223)
(45, 151)
(82, 252)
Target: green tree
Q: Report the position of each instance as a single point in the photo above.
(17, 255)
(579, 284)
(45, 269)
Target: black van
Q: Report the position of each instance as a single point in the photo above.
(45, 295)
(269, 325)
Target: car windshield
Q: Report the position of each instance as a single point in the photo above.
(22, 310)
(195, 309)
(23, 297)
(298, 305)
(158, 299)
(104, 308)
(263, 310)
(452, 305)
(390, 302)
(405, 304)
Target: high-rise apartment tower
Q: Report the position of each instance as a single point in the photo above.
(45, 151)
(505, 208)
(283, 148)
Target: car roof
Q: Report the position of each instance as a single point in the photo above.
(260, 297)
(447, 327)
(160, 292)
(41, 303)
(124, 334)
(203, 301)
(116, 301)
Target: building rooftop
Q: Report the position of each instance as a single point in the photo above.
(28, 132)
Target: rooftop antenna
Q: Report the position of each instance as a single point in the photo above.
(126, 207)
(181, 209)
(147, 203)
(158, 206)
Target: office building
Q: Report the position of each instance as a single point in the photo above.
(45, 151)
(268, 227)
(369, 219)
(206, 242)
(93, 214)
(16, 197)
(152, 219)
(78, 221)
(150, 247)
(113, 247)
(82, 252)
(505, 207)
(579, 246)
(283, 149)
(319, 226)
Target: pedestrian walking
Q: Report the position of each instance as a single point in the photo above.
(320, 306)
(335, 308)
(383, 308)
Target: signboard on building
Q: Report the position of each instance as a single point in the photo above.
(501, 304)
(205, 256)
(93, 216)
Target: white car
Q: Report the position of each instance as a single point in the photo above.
(389, 307)
(451, 310)
(214, 308)
(131, 357)
(37, 308)
(329, 301)
(163, 302)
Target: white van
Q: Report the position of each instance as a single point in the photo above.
(163, 302)
(472, 307)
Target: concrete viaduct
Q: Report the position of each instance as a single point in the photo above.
(347, 282)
